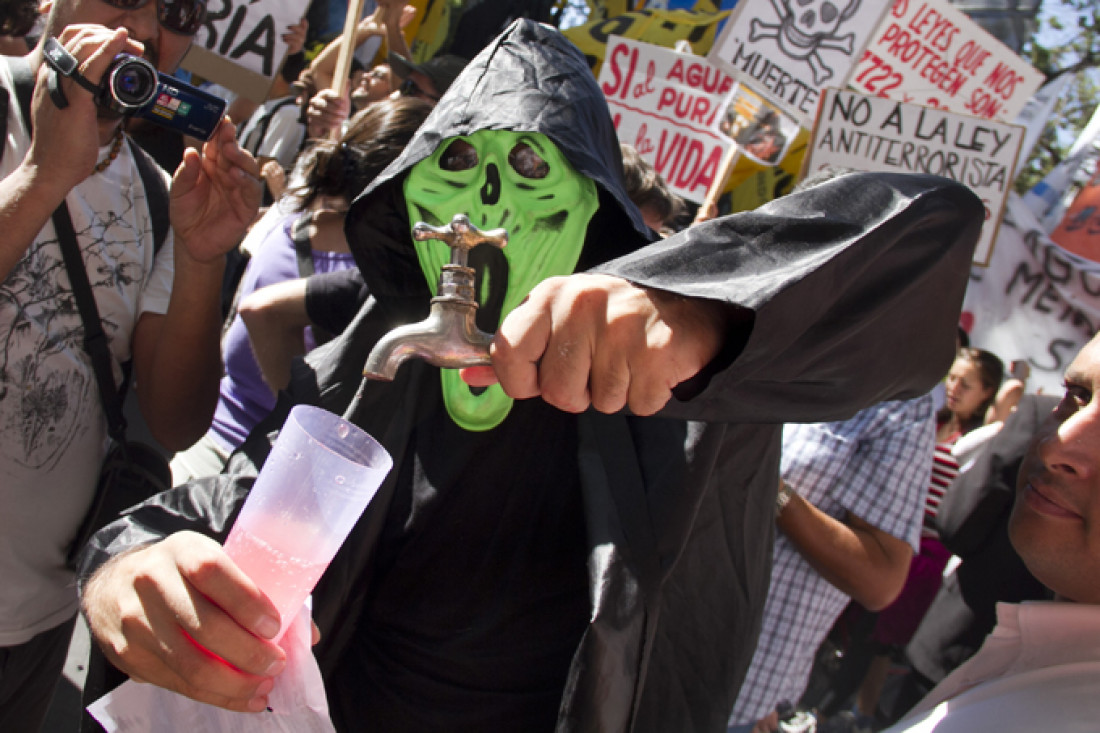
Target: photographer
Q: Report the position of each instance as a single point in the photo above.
(159, 306)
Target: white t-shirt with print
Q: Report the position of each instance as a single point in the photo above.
(54, 435)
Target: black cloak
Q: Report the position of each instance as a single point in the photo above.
(854, 289)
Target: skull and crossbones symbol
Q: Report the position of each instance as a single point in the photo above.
(805, 26)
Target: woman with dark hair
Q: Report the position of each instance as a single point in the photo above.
(971, 386)
(309, 239)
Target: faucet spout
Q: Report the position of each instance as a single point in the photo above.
(449, 336)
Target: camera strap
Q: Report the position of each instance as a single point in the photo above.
(63, 63)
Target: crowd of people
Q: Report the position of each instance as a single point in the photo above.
(706, 453)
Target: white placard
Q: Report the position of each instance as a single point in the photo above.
(667, 105)
(1035, 301)
(929, 53)
(794, 49)
(241, 43)
(873, 134)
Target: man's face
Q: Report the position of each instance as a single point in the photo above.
(370, 86)
(163, 48)
(1055, 523)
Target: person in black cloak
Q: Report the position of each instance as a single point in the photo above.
(546, 553)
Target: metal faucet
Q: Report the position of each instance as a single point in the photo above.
(448, 337)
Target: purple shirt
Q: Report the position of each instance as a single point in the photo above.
(245, 399)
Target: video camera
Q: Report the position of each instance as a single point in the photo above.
(133, 87)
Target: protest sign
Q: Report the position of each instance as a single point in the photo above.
(1035, 301)
(659, 27)
(667, 104)
(793, 49)
(874, 134)
(762, 132)
(241, 46)
(929, 53)
(1079, 230)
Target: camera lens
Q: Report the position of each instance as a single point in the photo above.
(132, 83)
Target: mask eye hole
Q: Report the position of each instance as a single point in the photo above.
(459, 156)
(526, 162)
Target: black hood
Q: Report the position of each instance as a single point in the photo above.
(530, 79)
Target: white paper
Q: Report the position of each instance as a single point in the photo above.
(297, 703)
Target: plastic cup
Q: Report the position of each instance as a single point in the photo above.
(321, 474)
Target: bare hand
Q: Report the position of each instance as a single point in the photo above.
(66, 141)
(706, 212)
(275, 177)
(327, 112)
(601, 341)
(768, 724)
(408, 12)
(386, 12)
(215, 195)
(160, 612)
(372, 25)
(295, 37)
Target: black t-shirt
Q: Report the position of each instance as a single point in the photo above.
(479, 593)
(333, 298)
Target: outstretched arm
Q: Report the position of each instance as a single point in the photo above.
(765, 316)
(854, 286)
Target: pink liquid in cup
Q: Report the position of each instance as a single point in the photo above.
(315, 484)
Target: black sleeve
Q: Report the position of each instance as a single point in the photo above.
(852, 291)
(208, 506)
(333, 298)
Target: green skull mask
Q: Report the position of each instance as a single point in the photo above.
(516, 180)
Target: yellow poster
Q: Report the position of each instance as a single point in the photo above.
(659, 27)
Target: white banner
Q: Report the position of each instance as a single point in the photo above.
(668, 105)
(929, 53)
(1088, 135)
(875, 134)
(1035, 301)
(793, 49)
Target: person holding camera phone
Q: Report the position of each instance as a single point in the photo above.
(160, 308)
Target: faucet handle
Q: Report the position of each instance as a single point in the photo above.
(461, 236)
